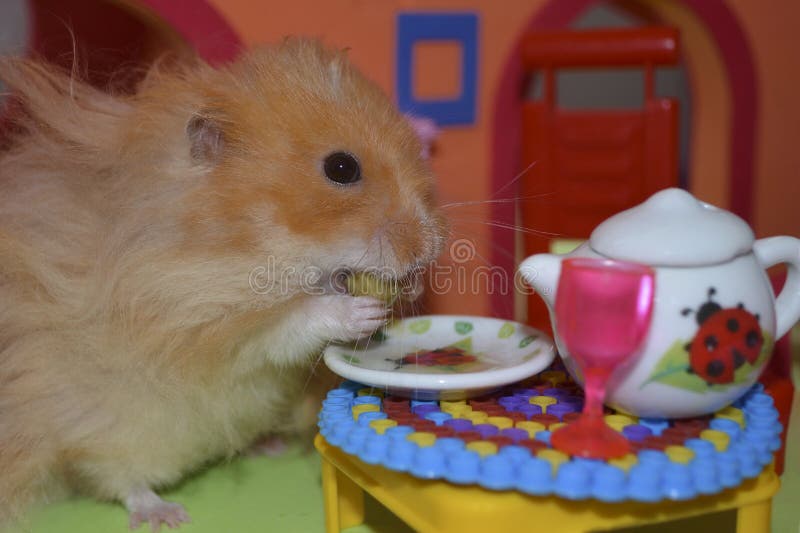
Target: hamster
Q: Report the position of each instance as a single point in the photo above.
(155, 249)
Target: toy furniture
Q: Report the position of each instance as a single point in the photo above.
(426, 469)
(439, 507)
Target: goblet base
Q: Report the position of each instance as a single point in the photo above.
(590, 437)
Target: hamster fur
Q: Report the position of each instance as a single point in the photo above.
(133, 345)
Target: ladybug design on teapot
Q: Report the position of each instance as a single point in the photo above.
(725, 340)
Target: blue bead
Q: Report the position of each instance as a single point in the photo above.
(438, 417)
(340, 393)
(449, 445)
(497, 473)
(364, 419)
(656, 425)
(644, 483)
(355, 439)
(515, 454)
(339, 433)
(415, 403)
(730, 427)
(704, 474)
(375, 449)
(573, 481)
(609, 483)
(400, 455)
(336, 401)
(543, 436)
(728, 468)
(368, 400)
(677, 482)
(653, 457)
(399, 432)
(760, 399)
(463, 467)
(702, 448)
(590, 464)
(429, 463)
(535, 476)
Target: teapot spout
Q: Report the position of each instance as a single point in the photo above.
(541, 271)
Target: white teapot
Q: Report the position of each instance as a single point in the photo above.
(715, 317)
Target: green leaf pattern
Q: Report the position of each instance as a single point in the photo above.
(527, 340)
(462, 328)
(673, 369)
(420, 326)
(506, 331)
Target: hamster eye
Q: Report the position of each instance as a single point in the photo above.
(342, 167)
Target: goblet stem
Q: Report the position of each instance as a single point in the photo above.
(595, 379)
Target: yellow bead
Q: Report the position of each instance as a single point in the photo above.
(364, 408)
(482, 447)
(477, 417)
(423, 438)
(502, 422)
(531, 427)
(554, 457)
(370, 392)
(731, 413)
(382, 425)
(679, 454)
(557, 425)
(457, 410)
(554, 377)
(719, 439)
(446, 403)
(542, 401)
(625, 462)
(618, 421)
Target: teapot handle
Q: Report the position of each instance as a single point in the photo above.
(774, 250)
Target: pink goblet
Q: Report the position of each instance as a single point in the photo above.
(603, 311)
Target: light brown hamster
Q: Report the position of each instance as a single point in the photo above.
(136, 344)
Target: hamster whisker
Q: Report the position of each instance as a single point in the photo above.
(495, 201)
(508, 226)
(516, 179)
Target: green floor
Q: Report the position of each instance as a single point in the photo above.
(283, 494)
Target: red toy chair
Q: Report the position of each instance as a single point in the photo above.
(591, 163)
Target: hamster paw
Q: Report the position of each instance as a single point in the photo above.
(146, 506)
(347, 318)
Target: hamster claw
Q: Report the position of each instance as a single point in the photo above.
(147, 506)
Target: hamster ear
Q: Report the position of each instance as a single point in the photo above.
(205, 138)
(426, 131)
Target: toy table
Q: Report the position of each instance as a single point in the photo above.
(436, 505)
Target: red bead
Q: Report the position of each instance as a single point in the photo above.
(443, 431)
(532, 445)
(469, 436)
(501, 440)
(545, 419)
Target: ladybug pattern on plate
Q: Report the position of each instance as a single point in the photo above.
(725, 340)
(728, 344)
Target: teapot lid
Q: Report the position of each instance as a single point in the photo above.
(673, 228)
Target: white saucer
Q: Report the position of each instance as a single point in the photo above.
(495, 353)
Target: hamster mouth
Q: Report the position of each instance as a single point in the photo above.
(372, 282)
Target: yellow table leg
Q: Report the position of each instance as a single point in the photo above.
(754, 518)
(344, 499)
